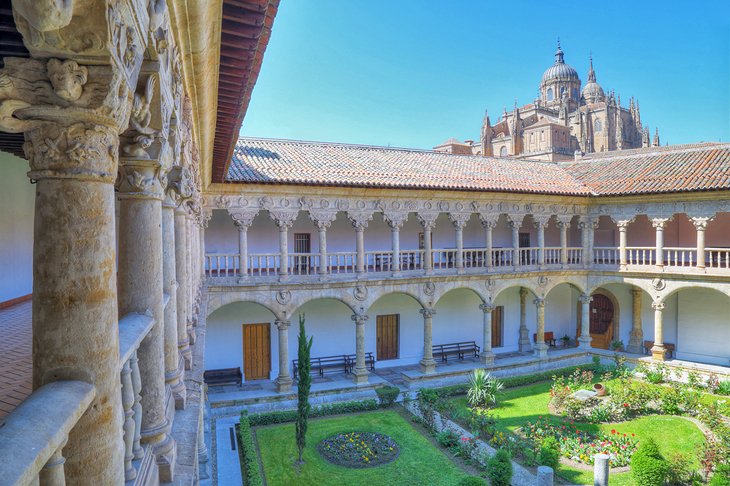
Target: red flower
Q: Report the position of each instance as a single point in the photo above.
(613, 431)
(633, 435)
(626, 404)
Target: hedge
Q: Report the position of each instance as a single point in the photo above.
(249, 462)
(284, 416)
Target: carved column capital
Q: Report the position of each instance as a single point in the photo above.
(204, 217)
(360, 319)
(539, 302)
(359, 219)
(180, 186)
(459, 220)
(488, 221)
(140, 178)
(243, 219)
(701, 223)
(427, 312)
(523, 292)
(659, 223)
(395, 220)
(284, 219)
(282, 324)
(585, 299)
(427, 220)
(487, 307)
(657, 306)
(623, 223)
(321, 219)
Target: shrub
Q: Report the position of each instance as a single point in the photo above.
(284, 416)
(472, 481)
(617, 345)
(601, 413)
(387, 395)
(721, 477)
(694, 380)
(723, 388)
(249, 462)
(549, 454)
(713, 381)
(648, 467)
(499, 469)
(483, 389)
(481, 422)
(656, 375)
(681, 471)
(448, 438)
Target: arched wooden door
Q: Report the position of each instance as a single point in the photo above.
(601, 325)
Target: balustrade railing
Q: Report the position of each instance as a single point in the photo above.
(378, 261)
(443, 259)
(640, 255)
(552, 255)
(475, 258)
(575, 255)
(33, 435)
(222, 264)
(342, 262)
(680, 257)
(717, 257)
(264, 264)
(528, 256)
(411, 260)
(303, 263)
(605, 255)
(502, 257)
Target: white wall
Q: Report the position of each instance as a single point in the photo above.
(17, 200)
(561, 311)
(703, 332)
(410, 339)
(458, 318)
(510, 300)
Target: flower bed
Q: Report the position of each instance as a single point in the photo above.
(581, 446)
(359, 449)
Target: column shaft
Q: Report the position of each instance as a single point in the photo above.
(243, 250)
(700, 247)
(324, 267)
(427, 250)
(488, 236)
(540, 243)
(487, 356)
(516, 245)
(540, 346)
(563, 243)
(524, 341)
(283, 250)
(584, 341)
(459, 235)
(360, 372)
(283, 381)
(173, 376)
(636, 337)
(428, 365)
(658, 352)
(360, 246)
(395, 259)
(622, 228)
(183, 287)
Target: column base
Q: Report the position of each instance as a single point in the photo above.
(165, 451)
(242, 279)
(460, 271)
(486, 357)
(524, 345)
(323, 277)
(186, 355)
(283, 384)
(658, 353)
(429, 271)
(178, 389)
(428, 366)
(283, 278)
(541, 350)
(191, 336)
(395, 274)
(584, 342)
(360, 377)
(636, 343)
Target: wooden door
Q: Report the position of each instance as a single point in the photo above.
(387, 335)
(256, 351)
(498, 326)
(601, 315)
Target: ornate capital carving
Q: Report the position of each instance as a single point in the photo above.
(539, 301)
(624, 223)
(322, 219)
(180, 185)
(659, 223)
(657, 306)
(359, 219)
(585, 299)
(459, 220)
(427, 220)
(284, 219)
(701, 223)
(243, 219)
(140, 135)
(487, 307)
(395, 219)
(427, 312)
(488, 221)
(282, 324)
(140, 179)
(360, 319)
(523, 293)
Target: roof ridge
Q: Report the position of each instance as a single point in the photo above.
(648, 151)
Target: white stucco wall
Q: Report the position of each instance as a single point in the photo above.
(510, 300)
(458, 318)
(17, 200)
(561, 311)
(410, 337)
(703, 332)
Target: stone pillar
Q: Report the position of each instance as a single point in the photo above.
(540, 226)
(428, 365)
(243, 221)
(75, 319)
(600, 469)
(52, 473)
(360, 372)
(395, 237)
(487, 356)
(183, 285)
(283, 226)
(658, 352)
(636, 336)
(563, 242)
(524, 341)
(173, 374)
(459, 220)
(658, 224)
(141, 290)
(428, 222)
(322, 221)
(283, 381)
(515, 226)
(488, 226)
(622, 228)
(192, 238)
(540, 346)
(359, 221)
(584, 341)
(700, 226)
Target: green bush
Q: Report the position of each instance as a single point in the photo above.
(723, 388)
(483, 389)
(648, 466)
(721, 477)
(448, 438)
(387, 395)
(249, 462)
(681, 471)
(472, 481)
(499, 469)
(549, 454)
(284, 416)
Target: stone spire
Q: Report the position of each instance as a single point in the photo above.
(559, 54)
(645, 137)
(638, 116)
(486, 135)
(655, 143)
(591, 72)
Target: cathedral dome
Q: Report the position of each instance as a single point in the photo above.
(559, 70)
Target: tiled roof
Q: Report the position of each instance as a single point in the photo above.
(678, 168)
(313, 163)
(697, 167)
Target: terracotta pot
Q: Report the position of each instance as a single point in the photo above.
(599, 389)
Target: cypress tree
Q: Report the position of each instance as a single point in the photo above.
(303, 386)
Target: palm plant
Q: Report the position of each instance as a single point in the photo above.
(483, 389)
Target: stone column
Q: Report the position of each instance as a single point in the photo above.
(395, 240)
(183, 285)
(283, 226)
(488, 226)
(636, 336)
(563, 242)
(283, 381)
(515, 226)
(192, 238)
(584, 341)
(700, 226)
(601, 469)
(540, 227)
(75, 319)
(141, 290)
(487, 356)
(428, 365)
(658, 224)
(360, 222)
(322, 221)
(428, 222)
(459, 221)
(360, 372)
(173, 374)
(622, 228)
(243, 221)
(52, 473)
(524, 341)
(658, 352)
(540, 346)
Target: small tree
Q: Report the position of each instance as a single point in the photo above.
(303, 386)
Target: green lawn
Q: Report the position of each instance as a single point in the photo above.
(419, 462)
(520, 405)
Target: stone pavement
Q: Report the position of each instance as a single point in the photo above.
(16, 364)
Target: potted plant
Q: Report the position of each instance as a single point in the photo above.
(599, 389)
(566, 341)
(617, 345)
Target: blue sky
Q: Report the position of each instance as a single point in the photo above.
(412, 73)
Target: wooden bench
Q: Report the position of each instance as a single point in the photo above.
(324, 364)
(455, 349)
(369, 361)
(549, 338)
(226, 376)
(668, 347)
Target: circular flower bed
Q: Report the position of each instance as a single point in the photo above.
(359, 449)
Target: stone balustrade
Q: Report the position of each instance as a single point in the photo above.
(34, 434)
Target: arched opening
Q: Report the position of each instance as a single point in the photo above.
(561, 314)
(395, 330)
(503, 151)
(458, 318)
(242, 335)
(329, 322)
(550, 94)
(640, 241)
(717, 242)
(518, 323)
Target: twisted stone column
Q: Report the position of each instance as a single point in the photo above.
(141, 290)
(428, 365)
(361, 372)
(540, 346)
(283, 381)
(584, 341)
(183, 286)
(524, 341)
(636, 336)
(487, 356)
(657, 351)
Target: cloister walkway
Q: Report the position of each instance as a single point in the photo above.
(16, 365)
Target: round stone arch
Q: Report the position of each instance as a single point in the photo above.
(222, 299)
(671, 287)
(293, 308)
(459, 316)
(375, 293)
(578, 283)
(447, 287)
(616, 321)
(395, 328)
(503, 285)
